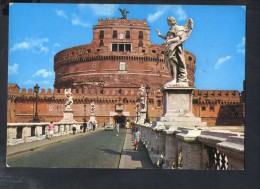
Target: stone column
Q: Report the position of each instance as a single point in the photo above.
(191, 150)
(11, 133)
(171, 149)
(156, 150)
(38, 131)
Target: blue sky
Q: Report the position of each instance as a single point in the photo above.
(38, 31)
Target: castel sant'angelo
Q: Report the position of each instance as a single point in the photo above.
(109, 72)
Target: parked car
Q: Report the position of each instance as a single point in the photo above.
(109, 127)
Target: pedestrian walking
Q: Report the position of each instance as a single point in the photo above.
(74, 130)
(117, 129)
(51, 130)
(84, 126)
(133, 131)
(90, 125)
(137, 137)
(94, 125)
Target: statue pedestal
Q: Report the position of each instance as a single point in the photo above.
(92, 117)
(142, 117)
(178, 109)
(68, 116)
(177, 101)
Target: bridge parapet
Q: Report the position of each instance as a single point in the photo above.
(200, 148)
(18, 133)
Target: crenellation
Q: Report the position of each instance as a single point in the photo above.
(30, 92)
(42, 91)
(49, 91)
(23, 91)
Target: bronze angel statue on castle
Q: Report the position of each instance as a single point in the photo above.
(174, 54)
(124, 13)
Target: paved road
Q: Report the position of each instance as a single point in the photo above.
(102, 149)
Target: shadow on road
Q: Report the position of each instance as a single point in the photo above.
(109, 151)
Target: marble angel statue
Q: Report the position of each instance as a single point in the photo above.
(174, 53)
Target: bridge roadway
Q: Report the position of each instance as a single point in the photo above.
(98, 149)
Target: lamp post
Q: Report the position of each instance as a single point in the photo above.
(147, 90)
(36, 91)
(84, 112)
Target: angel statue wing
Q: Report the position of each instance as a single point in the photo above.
(187, 29)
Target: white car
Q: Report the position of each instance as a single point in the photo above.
(109, 127)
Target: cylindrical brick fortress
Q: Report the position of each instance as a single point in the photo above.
(120, 54)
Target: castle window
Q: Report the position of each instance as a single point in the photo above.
(114, 47)
(127, 35)
(140, 44)
(128, 47)
(212, 108)
(119, 91)
(101, 34)
(114, 34)
(121, 47)
(162, 52)
(159, 103)
(140, 35)
(101, 43)
(203, 108)
(154, 51)
(190, 58)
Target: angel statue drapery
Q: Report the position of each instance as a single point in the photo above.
(174, 54)
(69, 100)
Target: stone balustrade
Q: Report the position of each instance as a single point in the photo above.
(200, 148)
(27, 132)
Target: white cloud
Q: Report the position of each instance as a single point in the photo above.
(241, 46)
(56, 45)
(13, 69)
(29, 82)
(42, 73)
(180, 13)
(36, 45)
(100, 9)
(177, 11)
(221, 61)
(45, 82)
(20, 46)
(154, 16)
(76, 21)
(82, 6)
(61, 13)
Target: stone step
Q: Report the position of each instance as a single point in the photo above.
(180, 118)
(181, 123)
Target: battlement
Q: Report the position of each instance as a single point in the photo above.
(76, 92)
(199, 94)
(119, 22)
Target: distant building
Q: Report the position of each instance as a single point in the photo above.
(109, 71)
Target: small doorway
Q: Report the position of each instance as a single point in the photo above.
(19, 132)
(121, 120)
